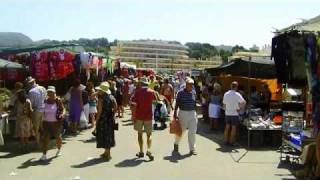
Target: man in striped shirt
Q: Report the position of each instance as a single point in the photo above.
(37, 95)
(186, 103)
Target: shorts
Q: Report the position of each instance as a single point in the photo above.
(52, 129)
(37, 120)
(232, 120)
(143, 126)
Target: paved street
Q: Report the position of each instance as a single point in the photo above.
(80, 159)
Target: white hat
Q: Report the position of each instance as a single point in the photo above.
(189, 81)
(51, 89)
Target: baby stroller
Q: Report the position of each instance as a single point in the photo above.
(160, 115)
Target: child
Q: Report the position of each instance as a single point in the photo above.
(160, 113)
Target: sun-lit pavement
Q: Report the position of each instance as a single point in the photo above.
(80, 160)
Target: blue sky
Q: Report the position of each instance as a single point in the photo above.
(230, 22)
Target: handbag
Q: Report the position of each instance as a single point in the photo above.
(175, 127)
(60, 110)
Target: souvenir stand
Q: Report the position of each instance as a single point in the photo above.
(295, 53)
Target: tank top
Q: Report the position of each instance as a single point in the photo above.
(50, 112)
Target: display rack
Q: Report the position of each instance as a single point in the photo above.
(292, 130)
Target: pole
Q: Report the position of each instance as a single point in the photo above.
(157, 61)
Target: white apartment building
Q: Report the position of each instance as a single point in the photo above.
(161, 56)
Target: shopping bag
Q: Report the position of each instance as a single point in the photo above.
(175, 127)
(83, 121)
(1, 139)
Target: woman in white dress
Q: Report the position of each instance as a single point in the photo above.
(215, 104)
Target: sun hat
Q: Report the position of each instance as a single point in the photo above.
(104, 87)
(51, 89)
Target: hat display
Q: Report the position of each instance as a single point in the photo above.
(144, 81)
(104, 86)
(51, 89)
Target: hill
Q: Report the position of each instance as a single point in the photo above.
(13, 39)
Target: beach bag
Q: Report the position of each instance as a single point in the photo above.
(175, 127)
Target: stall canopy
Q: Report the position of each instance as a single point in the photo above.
(312, 25)
(10, 65)
(68, 46)
(253, 68)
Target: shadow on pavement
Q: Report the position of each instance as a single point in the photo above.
(32, 162)
(128, 124)
(176, 157)
(91, 140)
(90, 162)
(11, 155)
(130, 163)
(125, 121)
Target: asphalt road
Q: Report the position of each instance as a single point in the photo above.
(80, 160)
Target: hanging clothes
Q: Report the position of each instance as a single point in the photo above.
(63, 63)
(39, 65)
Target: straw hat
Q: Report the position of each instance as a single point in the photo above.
(104, 87)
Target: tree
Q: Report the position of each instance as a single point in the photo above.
(225, 55)
(238, 48)
(201, 51)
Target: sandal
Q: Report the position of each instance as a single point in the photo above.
(108, 158)
(140, 155)
(150, 156)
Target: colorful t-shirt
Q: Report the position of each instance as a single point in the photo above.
(144, 98)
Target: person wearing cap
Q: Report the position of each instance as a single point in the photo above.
(142, 100)
(54, 113)
(186, 103)
(105, 123)
(37, 95)
(233, 102)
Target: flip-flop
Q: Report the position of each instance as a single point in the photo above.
(150, 156)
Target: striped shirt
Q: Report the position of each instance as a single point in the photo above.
(186, 101)
(37, 96)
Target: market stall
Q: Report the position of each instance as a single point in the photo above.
(249, 72)
(295, 53)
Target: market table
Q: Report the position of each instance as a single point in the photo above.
(268, 127)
